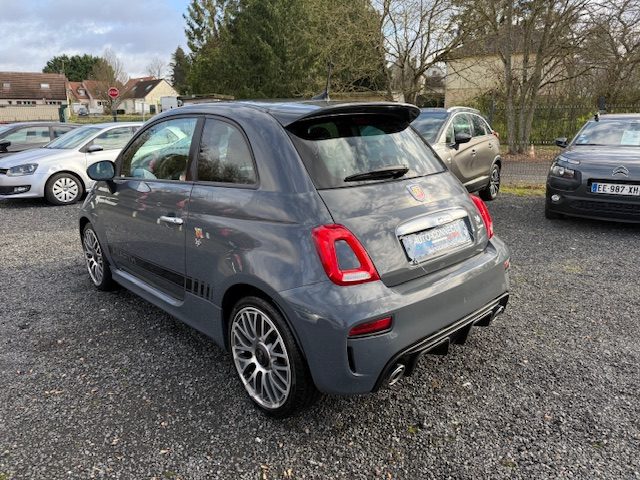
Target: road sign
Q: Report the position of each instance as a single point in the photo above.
(113, 92)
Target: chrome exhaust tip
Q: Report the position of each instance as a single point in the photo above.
(396, 374)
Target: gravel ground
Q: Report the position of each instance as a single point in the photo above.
(104, 385)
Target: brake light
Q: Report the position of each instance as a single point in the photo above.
(368, 328)
(325, 238)
(484, 213)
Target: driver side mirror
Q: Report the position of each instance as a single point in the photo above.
(102, 171)
(4, 146)
(562, 142)
(462, 138)
(94, 148)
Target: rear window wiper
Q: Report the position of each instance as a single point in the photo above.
(391, 171)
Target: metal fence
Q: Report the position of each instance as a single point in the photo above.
(553, 121)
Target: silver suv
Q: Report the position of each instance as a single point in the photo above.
(467, 144)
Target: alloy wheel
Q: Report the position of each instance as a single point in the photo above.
(261, 357)
(494, 181)
(93, 256)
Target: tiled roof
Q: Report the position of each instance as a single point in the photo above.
(140, 89)
(32, 86)
(78, 90)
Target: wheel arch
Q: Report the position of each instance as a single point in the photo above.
(237, 291)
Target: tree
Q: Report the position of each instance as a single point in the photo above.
(534, 39)
(156, 67)
(180, 65)
(76, 68)
(417, 34)
(612, 50)
(108, 72)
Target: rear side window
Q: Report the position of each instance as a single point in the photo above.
(224, 155)
(337, 147)
(29, 135)
(479, 126)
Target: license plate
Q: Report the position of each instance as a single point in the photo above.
(616, 189)
(422, 245)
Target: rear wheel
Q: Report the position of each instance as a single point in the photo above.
(97, 265)
(490, 192)
(63, 189)
(267, 359)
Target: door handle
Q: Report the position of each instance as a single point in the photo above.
(171, 220)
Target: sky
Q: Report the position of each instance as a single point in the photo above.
(34, 31)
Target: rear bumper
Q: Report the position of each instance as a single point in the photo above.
(582, 203)
(440, 307)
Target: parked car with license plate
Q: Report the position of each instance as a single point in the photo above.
(597, 175)
(16, 137)
(323, 244)
(58, 171)
(467, 144)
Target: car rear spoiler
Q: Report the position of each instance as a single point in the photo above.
(405, 112)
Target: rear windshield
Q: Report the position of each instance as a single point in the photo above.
(334, 148)
(611, 133)
(429, 123)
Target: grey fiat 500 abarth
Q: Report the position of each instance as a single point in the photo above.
(323, 244)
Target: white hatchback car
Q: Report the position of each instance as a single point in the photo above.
(58, 171)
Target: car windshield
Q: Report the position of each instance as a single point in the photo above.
(428, 124)
(346, 150)
(610, 133)
(74, 138)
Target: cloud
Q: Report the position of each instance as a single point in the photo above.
(34, 31)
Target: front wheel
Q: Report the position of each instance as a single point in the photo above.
(63, 189)
(267, 359)
(490, 192)
(97, 265)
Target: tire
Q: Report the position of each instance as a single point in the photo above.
(490, 192)
(63, 189)
(96, 263)
(267, 359)
(549, 215)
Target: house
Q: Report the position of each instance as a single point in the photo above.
(476, 68)
(83, 99)
(142, 95)
(46, 93)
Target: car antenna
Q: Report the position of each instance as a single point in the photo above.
(325, 95)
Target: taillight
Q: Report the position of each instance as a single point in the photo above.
(484, 213)
(368, 328)
(496, 134)
(326, 237)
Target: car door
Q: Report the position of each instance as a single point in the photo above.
(462, 154)
(485, 147)
(144, 213)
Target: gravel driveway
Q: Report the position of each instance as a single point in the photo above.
(105, 385)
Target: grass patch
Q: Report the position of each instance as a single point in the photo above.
(524, 190)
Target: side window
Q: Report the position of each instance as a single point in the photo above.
(224, 155)
(154, 156)
(29, 135)
(114, 138)
(462, 124)
(479, 126)
(449, 136)
(58, 131)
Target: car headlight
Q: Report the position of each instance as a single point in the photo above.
(563, 172)
(572, 161)
(20, 170)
